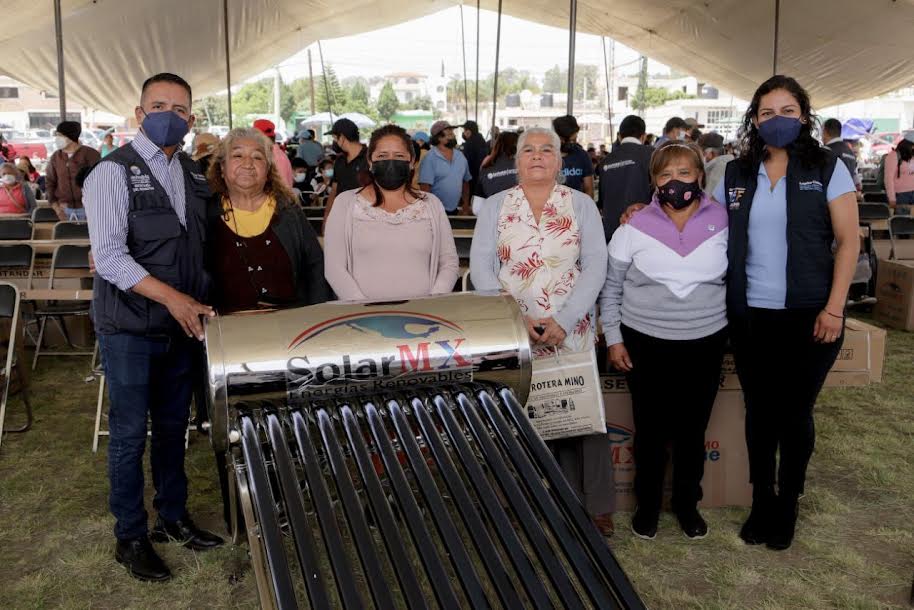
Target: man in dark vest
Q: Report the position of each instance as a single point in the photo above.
(625, 174)
(831, 137)
(145, 205)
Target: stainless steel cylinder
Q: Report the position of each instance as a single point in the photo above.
(340, 350)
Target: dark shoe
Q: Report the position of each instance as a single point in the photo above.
(757, 527)
(784, 525)
(644, 524)
(692, 524)
(185, 532)
(142, 561)
(605, 524)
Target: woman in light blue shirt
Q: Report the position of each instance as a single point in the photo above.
(792, 252)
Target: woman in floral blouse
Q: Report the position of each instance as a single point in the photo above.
(543, 243)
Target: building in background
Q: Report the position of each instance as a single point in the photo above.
(412, 86)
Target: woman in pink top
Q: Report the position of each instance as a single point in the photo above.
(15, 196)
(899, 177)
(388, 240)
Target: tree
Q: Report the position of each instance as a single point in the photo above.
(300, 93)
(387, 102)
(423, 102)
(639, 102)
(358, 93)
(555, 80)
(212, 110)
(337, 97)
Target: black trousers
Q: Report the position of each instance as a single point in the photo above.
(673, 386)
(781, 369)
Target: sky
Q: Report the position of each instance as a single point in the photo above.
(524, 45)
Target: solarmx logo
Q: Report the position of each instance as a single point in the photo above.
(620, 440)
(414, 355)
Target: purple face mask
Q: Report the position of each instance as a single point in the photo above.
(678, 194)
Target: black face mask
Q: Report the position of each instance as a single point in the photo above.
(337, 148)
(566, 147)
(679, 195)
(452, 143)
(390, 174)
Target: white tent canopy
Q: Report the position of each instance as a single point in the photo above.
(840, 50)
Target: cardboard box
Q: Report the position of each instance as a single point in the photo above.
(895, 294)
(860, 361)
(726, 478)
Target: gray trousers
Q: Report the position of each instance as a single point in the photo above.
(586, 462)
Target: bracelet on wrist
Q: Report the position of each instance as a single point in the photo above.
(841, 317)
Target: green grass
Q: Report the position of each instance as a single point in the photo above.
(854, 548)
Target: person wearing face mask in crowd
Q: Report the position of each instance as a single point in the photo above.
(792, 254)
(445, 171)
(674, 129)
(146, 205)
(663, 311)
(32, 178)
(577, 166)
(350, 169)
(420, 149)
(16, 197)
(320, 183)
(64, 194)
(388, 240)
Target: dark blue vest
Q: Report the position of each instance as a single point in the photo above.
(810, 261)
(159, 243)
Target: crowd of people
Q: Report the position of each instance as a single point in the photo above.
(669, 251)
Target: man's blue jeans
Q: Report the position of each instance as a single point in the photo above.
(146, 377)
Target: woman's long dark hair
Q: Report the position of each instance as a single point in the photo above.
(905, 151)
(805, 148)
(505, 146)
(398, 132)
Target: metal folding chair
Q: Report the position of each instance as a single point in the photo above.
(9, 308)
(463, 248)
(43, 216)
(71, 230)
(68, 261)
(467, 281)
(462, 222)
(875, 197)
(15, 228)
(900, 226)
(870, 211)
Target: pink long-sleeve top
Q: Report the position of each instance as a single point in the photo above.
(895, 183)
(372, 254)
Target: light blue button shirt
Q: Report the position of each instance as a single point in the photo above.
(445, 177)
(766, 260)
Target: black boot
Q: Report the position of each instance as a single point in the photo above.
(784, 525)
(142, 562)
(185, 532)
(757, 528)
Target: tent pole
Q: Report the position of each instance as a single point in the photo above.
(228, 69)
(572, 30)
(463, 52)
(320, 50)
(609, 107)
(777, 24)
(311, 78)
(495, 84)
(476, 111)
(58, 32)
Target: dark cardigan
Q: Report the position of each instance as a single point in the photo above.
(299, 241)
